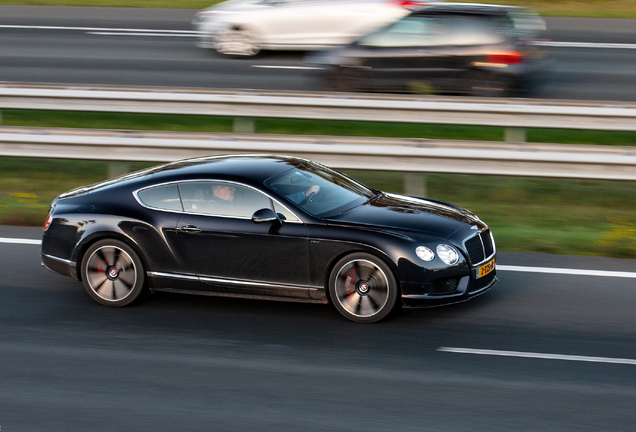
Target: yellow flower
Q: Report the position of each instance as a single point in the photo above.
(24, 195)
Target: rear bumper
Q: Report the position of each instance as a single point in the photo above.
(60, 266)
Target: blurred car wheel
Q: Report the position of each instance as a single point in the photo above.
(236, 43)
(112, 273)
(363, 288)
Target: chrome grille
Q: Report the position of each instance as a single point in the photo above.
(475, 249)
(486, 239)
(479, 247)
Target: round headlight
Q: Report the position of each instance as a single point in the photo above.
(425, 253)
(448, 254)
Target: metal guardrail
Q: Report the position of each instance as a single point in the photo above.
(409, 155)
(414, 155)
(507, 113)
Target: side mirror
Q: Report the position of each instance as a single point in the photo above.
(265, 215)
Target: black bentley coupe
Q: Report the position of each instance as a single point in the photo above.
(267, 227)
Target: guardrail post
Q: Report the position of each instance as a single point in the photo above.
(415, 184)
(244, 125)
(514, 135)
(116, 169)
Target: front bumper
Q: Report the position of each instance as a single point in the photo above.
(462, 289)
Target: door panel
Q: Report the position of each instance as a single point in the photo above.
(234, 254)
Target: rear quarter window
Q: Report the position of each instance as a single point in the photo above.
(164, 197)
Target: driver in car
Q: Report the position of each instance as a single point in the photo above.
(299, 197)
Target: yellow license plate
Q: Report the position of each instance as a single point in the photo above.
(486, 268)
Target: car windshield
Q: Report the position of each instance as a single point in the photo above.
(319, 191)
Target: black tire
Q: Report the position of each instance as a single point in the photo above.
(112, 273)
(363, 288)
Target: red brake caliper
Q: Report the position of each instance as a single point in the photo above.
(99, 269)
(350, 283)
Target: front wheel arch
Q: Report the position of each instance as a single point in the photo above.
(363, 287)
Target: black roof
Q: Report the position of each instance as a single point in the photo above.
(466, 8)
(248, 169)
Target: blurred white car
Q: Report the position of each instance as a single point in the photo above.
(244, 27)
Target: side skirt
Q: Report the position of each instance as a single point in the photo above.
(245, 296)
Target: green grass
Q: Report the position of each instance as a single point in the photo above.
(575, 8)
(27, 186)
(302, 127)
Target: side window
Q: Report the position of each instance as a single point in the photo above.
(406, 32)
(164, 197)
(219, 198)
(473, 31)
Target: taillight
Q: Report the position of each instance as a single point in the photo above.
(408, 3)
(511, 58)
(49, 218)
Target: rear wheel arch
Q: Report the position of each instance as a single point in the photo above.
(112, 272)
(94, 238)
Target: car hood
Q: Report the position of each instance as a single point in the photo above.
(428, 217)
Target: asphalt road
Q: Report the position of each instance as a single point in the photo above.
(78, 51)
(177, 362)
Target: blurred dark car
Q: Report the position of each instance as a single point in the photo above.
(267, 227)
(477, 49)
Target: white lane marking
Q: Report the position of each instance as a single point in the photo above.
(585, 45)
(155, 32)
(107, 33)
(566, 271)
(287, 67)
(100, 29)
(20, 241)
(538, 355)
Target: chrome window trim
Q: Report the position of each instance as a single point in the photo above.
(136, 195)
(232, 281)
(494, 247)
(62, 260)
